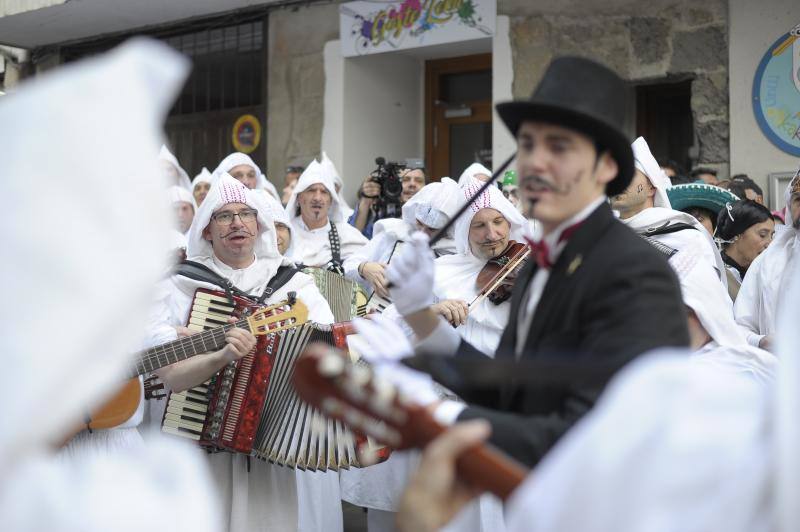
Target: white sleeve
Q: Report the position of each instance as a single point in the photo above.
(318, 309)
(444, 340)
(367, 253)
(160, 322)
(747, 308)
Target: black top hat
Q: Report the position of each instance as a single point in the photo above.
(585, 96)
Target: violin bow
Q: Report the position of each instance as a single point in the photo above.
(443, 231)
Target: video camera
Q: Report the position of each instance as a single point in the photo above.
(387, 175)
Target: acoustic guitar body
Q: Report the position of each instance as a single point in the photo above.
(119, 408)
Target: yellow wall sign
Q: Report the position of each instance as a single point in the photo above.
(246, 133)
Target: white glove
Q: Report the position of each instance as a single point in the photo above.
(411, 276)
(380, 340)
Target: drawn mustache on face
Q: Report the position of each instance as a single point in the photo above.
(239, 232)
(537, 183)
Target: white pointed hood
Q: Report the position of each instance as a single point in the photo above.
(313, 174)
(183, 177)
(644, 161)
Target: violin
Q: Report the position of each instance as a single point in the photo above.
(496, 279)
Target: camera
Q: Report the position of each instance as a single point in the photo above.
(387, 175)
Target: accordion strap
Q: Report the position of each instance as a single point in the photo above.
(335, 265)
(201, 272)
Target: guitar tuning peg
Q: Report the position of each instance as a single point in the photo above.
(331, 365)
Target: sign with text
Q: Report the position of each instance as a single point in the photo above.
(371, 27)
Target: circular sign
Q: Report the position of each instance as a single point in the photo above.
(776, 93)
(246, 133)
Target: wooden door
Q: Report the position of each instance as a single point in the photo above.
(458, 114)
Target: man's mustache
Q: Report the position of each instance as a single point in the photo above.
(239, 232)
(537, 181)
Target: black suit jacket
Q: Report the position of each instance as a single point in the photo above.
(610, 294)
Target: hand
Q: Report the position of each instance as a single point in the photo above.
(382, 343)
(380, 339)
(374, 272)
(766, 343)
(240, 342)
(370, 189)
(453, 310)
(411, 275)
(435, 495)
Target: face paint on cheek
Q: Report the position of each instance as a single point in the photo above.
(639, 189)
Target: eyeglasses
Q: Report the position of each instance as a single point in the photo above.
(226, 218)
(294, 169)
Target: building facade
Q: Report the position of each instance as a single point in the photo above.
(691, 66)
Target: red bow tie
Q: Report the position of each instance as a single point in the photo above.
(541, 251)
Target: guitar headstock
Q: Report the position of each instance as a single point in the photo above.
(277, 317)
(325, 378)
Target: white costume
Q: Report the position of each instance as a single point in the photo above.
(311, 247)
(764, 287)
(255, 495)
(95, 486)
(183, 177)
(467, 177)
(456, 274)
(235, 159)
(329, 167)
(379, 487)
(433, 206)
(662, 214)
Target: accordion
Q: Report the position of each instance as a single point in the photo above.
(251, 407)
(346, 298)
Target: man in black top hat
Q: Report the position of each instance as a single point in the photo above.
(593, 292)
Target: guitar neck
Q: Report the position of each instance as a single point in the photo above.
(165, 354)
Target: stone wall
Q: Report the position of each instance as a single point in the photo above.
(296, 83)
(643, 42)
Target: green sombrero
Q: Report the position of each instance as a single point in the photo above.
(682, 197)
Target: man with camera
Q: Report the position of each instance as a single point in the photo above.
(379, 197)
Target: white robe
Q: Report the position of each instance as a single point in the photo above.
(267, 497)
(764, 286)
(312, 247)
(658, 216)
(672, 445)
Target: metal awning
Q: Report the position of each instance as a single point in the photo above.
(61, 21)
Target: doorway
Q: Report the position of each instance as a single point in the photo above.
(664, 119)
(458, 114)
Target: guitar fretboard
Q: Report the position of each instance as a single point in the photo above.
(163, 355)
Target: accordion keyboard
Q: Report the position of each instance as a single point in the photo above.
(187, 410)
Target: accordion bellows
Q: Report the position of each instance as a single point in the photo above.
(251, 407)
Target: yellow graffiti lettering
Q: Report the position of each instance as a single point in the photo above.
(378, 28)
(442, 11)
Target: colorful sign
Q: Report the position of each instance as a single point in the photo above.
(246, 133)
(776, 93)
(369, 27)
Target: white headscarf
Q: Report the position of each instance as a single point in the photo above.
(227, 190)
(183, 177)
(330, 168)
(644, 161)
(235, 159)
(109, 241)
(178, 194)
(491, 198)
(203, 177)
(313, 174)
(434, 205)
(468, 175)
